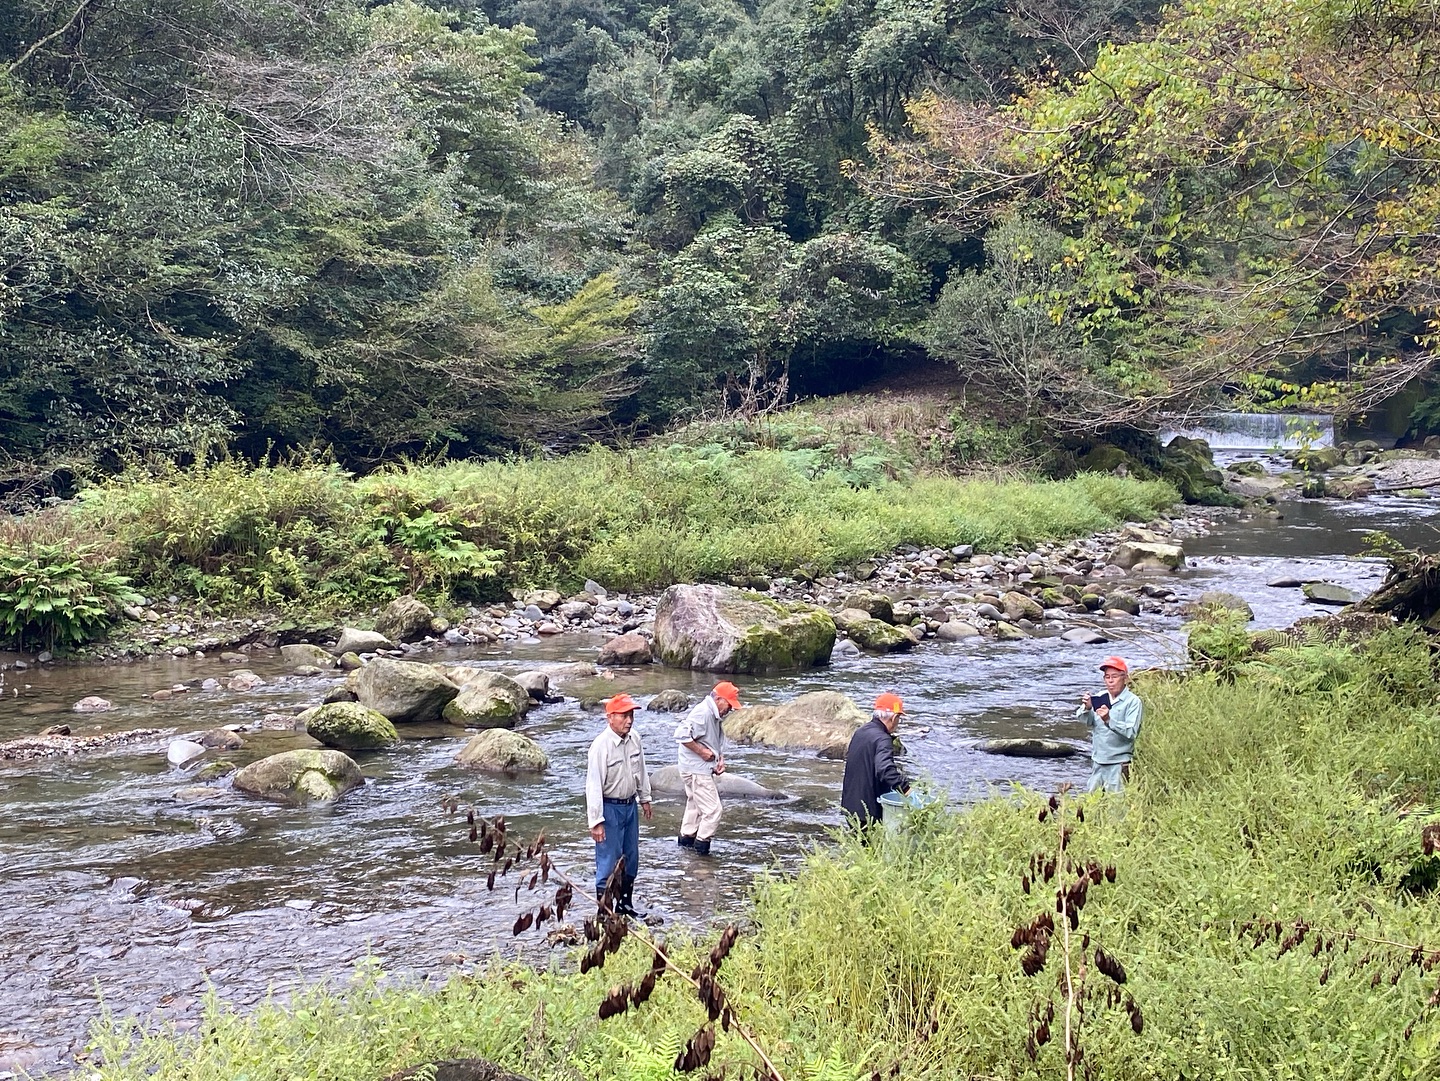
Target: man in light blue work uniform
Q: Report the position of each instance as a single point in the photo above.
(1113, 726)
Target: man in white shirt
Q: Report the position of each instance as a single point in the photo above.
(615, 778)
(701, 759)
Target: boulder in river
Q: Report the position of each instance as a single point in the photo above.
(875, 605)
(543, 599)
(220, 739)
(349, 726)
(243, 680)
(93, 703)
(1118, 601)
(1028, 748)
(669, 701)
(1219, 599)
(501, 751)
(488, 700)
(821, 721)
(182, 752)
(353, 640)
(405, 619)
(955, 630)
(301, 654)
(1018, 606)
(667, 780)
(1084, 636)
(404, 691)
(878, 636)
(625, 650)
(1148, 555)
(722, 629)
(1330, 593)
(535, 684)
(300, 777)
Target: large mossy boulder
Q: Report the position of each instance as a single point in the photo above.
(821, 721)
(404, 691)
(499, 750)
(1108, 458)
(302, 653)
(876, 605)
(723, 629)
(487, 700)
(300, 777)
(1190, 466)
(1019, 605)
(879, 637)
(349, 726)
(405, 619)
(1148, 555)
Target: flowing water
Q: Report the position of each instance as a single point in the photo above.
(113, 890)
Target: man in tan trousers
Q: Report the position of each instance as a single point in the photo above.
(701, 742)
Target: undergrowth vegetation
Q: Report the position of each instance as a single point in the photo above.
(719, 501)
(1295, 789)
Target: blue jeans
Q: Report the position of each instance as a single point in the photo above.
(622, 838)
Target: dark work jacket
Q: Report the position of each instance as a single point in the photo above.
(870, 772)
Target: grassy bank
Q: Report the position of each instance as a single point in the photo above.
(1275, 795)
(718, 501)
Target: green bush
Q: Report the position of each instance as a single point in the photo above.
(55, 596)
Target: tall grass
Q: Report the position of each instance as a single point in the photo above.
(1278, 794)
(306, 532)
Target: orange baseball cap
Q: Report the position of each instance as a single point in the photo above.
(621, 703)
(1117, 663)
(891, 702)
(728, 692)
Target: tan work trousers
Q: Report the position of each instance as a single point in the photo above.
(702, 806)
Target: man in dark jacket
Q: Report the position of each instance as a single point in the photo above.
(870, 769)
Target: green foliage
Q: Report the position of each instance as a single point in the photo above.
(1274, 796)
(57, 596)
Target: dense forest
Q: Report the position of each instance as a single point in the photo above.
(481, 227)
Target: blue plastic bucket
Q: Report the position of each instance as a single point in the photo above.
(897, 807)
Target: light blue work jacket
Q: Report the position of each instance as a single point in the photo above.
(1114, 742)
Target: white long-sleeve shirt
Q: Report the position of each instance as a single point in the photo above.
(616, 769)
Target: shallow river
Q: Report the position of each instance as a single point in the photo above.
(111, 889)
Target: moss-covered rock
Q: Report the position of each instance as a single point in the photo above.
(349, 726)
(405, 619)
(488, 700)
(404, 691)
(501, 751)
(1189, 465)
(1019, 605)
(875, 605)
(821, 721)
(301, 777)
(722, 629)
(878, 636)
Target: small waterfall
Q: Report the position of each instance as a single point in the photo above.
(1259, 431)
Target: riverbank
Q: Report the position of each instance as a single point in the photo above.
(1248, 804)
(212, 550)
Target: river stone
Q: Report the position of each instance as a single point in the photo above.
(340, 692)
(1147, 555)
(1329, 593)
(956, 631)
(220, 739)
(300, 777)
(875, 605)
(243, 680)
(626, 649)
(535, 684)
(230, 657)
(821, 721)
(844, 650)
(349, 726)
(1084, 636)
(1351, 487)
(849, 617)
(1117, 601)
(721, 629)
(669, 781)
(502, 751)
(182, 752)
(54, 730)
(406, 692)
(301, 654)
(543, 599)
(879, 637)
(574, 611)
(1020, 606)
(213, 771)
(405, 619)
(1008, 632)
(93, 704)
(488, 700)
(988, 611)
(1028, 748)
(1219, 598)
(669, 701)
(357, 641)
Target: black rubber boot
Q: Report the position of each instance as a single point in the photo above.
(625, 903)
(702, 848)
(686, 840)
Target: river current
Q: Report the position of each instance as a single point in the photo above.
(113, 892)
